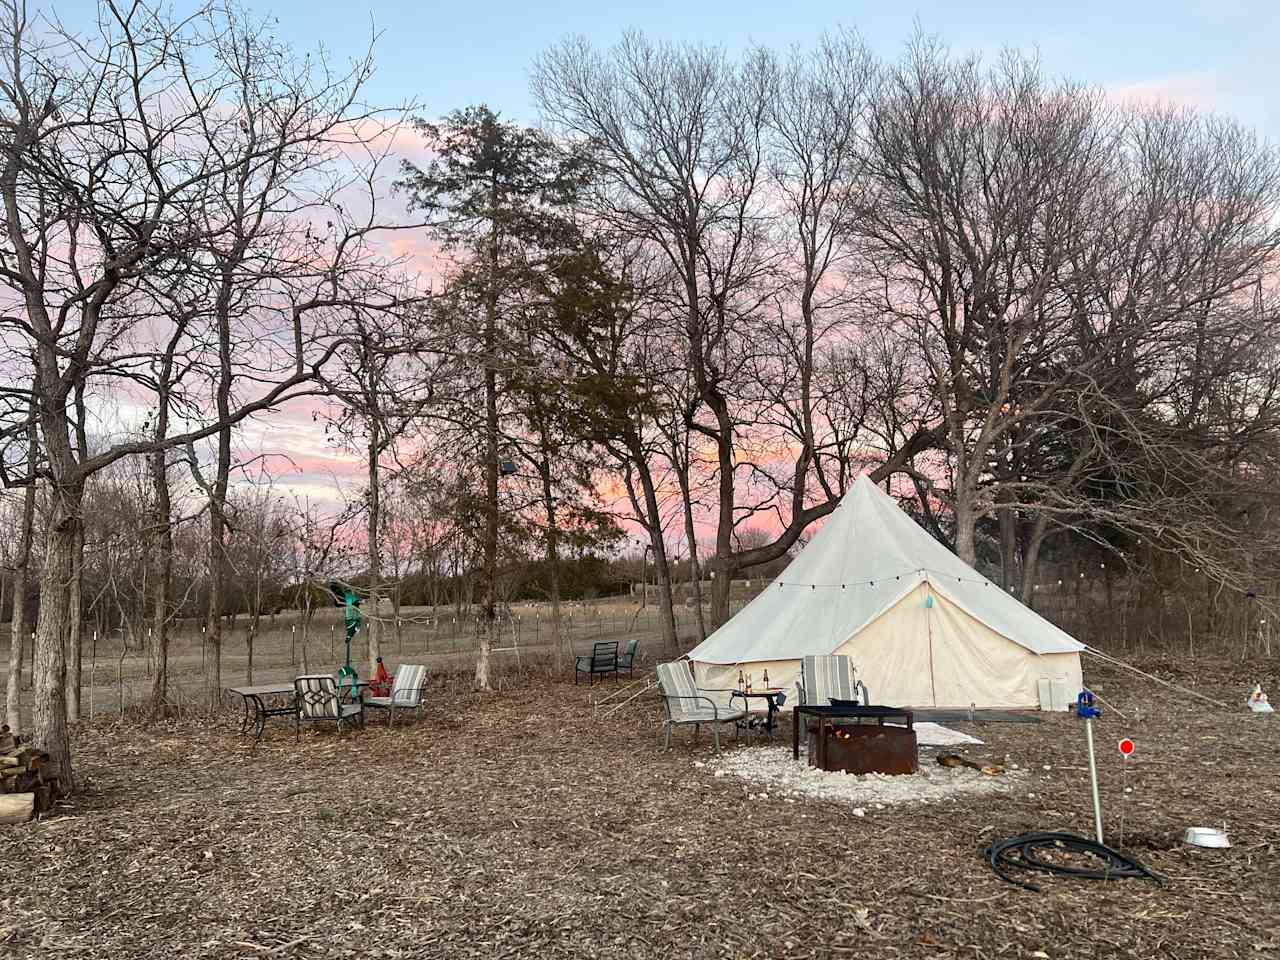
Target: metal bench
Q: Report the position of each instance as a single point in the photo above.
(603, 660)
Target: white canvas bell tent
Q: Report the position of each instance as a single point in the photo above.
(922, 627)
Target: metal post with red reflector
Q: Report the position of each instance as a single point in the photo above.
(1125, 746)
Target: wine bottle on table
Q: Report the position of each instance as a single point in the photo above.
(742, 684)
(766, 680)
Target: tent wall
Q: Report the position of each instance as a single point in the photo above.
(892, 653)
(723, 676)
(978, 665)
(925, 655)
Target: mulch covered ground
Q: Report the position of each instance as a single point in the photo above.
(514, 825)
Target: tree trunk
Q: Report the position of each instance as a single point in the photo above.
(49, 663)
(162, 531)
(18, 624)
(218, 492)
(966, 521)
(372, 626)
(1008, 545)
(724, 526)
(75, 613)
(553, 571)
(653, 523)
(1031, 558)
(721, 586)
(77, 573)
(491, 453)
(21, 566)
(695, 575)
(217, 578)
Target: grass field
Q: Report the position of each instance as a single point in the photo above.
(117, 675)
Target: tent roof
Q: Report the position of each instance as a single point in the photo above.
(866, 557)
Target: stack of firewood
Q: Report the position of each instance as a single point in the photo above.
(27, 785)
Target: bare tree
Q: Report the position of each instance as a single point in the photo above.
(379, 392)
(259, 545)
(988, 188)
(741, 176)
(116, 159)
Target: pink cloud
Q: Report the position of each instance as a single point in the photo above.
(1202, 90)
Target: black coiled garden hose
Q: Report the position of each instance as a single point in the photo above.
(1023, 853)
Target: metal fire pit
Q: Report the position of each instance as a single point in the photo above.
(863, 748)
(858, 747)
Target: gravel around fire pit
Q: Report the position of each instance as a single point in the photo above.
(772, 774)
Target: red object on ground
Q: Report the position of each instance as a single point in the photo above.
(1126, 747)
(380, 685)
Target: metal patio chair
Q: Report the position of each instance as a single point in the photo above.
(627, 661)
(686, 703)
(603, 660)
(407, 689)
(827, 678)
(316, 700)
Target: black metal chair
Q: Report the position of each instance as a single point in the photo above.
(603, 660)
(316, 699)
(627, 661)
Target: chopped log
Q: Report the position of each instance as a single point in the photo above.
(17, 807)
(31, 757)
(7, 761)
(955, 760)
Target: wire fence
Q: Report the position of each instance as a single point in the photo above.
(120, 665)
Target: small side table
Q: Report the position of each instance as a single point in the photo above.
(771, 696)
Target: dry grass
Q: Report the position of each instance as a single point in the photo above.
(514, 825)
(116, 677)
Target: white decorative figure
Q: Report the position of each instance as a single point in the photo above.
(1258, 701)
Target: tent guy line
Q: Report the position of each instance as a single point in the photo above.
(1116, 662)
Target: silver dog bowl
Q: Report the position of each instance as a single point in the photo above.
(1206, 837)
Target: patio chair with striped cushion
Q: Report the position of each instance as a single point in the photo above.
(687, 703)
(827, 678)
(406, 692)
(316, 699)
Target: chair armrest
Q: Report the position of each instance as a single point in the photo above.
(407, 698)
(707, 700)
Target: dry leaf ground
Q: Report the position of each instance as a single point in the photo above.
(516, 825)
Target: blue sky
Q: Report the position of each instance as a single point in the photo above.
(1220, 55)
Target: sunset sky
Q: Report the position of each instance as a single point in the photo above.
(1217, 56)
